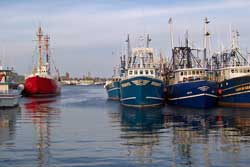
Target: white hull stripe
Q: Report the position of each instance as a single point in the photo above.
(238, 93)
(129, 98)
(187, 97)
(113, 89)
(142, 105)
(157, 98)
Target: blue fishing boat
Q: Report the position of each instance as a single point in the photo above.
(190, 83)
(192, 89)
(142, 85)
(233, 76)
(113, 87)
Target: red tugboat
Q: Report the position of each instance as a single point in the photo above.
(40, 83)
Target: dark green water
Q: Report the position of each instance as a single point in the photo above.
(82, 128)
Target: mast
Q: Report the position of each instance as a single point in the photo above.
(170, 22)
(39, 37)
(148, 41)
(46, 43)
(206, 34)
(128, 52)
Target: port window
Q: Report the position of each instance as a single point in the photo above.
(248, 70)
(130, 72)
(141, 71)
(193, 72)
(135, 72)
(197, 72)
(232, 71)
(146, 72)
(152, 72)
(185, 72)
(181, 73)
(200, 72)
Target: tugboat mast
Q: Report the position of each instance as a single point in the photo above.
(46, 43)
(39, 36)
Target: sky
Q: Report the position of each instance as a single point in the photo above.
(89, 35)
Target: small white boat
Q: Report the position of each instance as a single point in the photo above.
(10, 92)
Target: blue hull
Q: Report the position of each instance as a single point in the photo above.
(142, 91)
(113, 90)
(196, 94)
(235, 92)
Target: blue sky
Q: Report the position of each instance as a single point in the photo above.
(84, 33)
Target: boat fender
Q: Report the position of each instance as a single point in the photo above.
(219, 91)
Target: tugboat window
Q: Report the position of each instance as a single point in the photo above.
(135, 72)
(152, 72)
(197, 72)
(141, 71)
(181, 73)
(146, 72)
(130, 72)
(232, 71)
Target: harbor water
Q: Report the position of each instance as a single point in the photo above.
(82, 128)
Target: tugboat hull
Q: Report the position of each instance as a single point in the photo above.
(235, 92)
(37, 86)
(196, 94)
(142, 91)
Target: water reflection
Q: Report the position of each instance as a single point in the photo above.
(140, 132)
(8, 119)
(204, 134)
(43, 114)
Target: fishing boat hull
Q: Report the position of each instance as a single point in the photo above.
(37, 86)
(235, 92)
(9, 100)
(142, 91)
(196, 94)
(113, 90)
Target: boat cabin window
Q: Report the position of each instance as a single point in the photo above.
(197, 72)
(232, 71)
(146, 72)
(248, 70)
(181, 73)
(201, 72)
(236, 71)
(130, 72)
(189, 72)
(185, 72)
(152, 72)
(135, 72)
(193, 72)
(141, 71)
